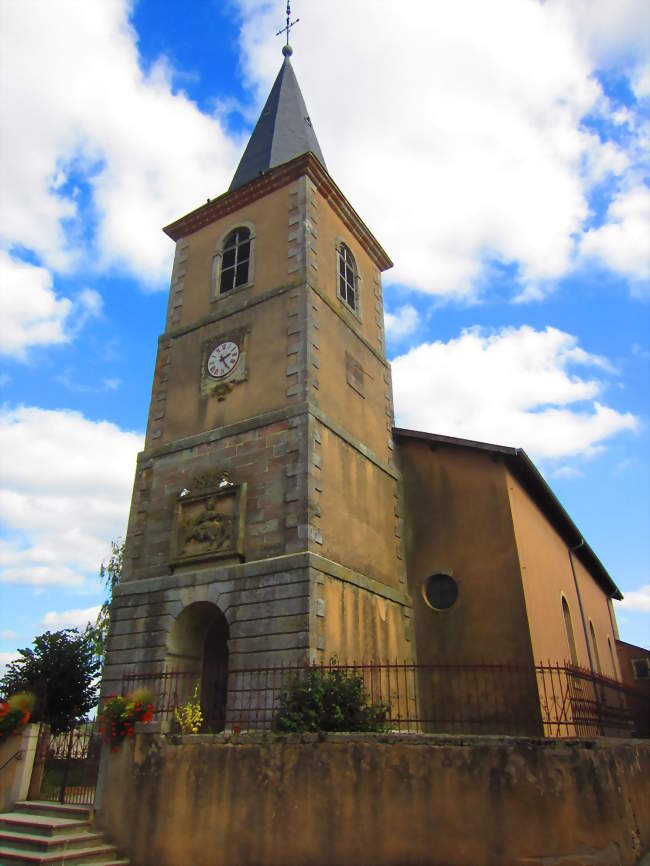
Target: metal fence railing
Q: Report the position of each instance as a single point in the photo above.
(552, 699)
(66, 764)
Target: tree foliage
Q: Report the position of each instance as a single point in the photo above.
(110, 573)
(328, 700)
(61, 671)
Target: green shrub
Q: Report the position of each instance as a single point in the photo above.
(334, 699)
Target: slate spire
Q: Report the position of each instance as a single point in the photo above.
(283, 130)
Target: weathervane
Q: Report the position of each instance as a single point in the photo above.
(286, 49)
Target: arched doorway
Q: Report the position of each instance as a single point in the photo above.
(198, 647)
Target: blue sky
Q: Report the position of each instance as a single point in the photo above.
(498, 151)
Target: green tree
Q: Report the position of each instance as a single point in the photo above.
(328, 700)
(110, 573)
(61, 671)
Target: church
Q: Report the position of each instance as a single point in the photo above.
(278, 515)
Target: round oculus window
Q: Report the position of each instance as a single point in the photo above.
(440, 591)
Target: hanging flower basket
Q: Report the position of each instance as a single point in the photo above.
(120, 715)
(15, 712)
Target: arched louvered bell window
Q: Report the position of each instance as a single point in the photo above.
(236, 260)
(347, 277)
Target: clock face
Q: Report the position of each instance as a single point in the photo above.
(223, 359)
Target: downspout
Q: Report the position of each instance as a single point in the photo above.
(572, 550)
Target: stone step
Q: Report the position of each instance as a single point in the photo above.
(61, 810)
(40, 825)
(75, 857)
(38, 833)
(57, 842)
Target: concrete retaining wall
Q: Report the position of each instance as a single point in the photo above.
(378, 799)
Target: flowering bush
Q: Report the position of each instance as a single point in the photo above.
(120, 715)
(15, 712)
(189, 715)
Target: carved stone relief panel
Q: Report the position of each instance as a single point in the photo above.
(209, 525)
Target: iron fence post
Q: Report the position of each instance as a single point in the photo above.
(66, 767)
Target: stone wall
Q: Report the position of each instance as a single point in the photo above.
(264, 453)
(281, 610)
(386, 800)
(266, 604)
(17, 753)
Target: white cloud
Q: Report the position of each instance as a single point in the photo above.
(70, 618)
(462, 116)
(623, 242)
(638, 599)
(514, 387)
(8, 634)
(640, 351)
(111, 384)
(65, 491)
(5, 378)
(90, 302)
(457, 139)
(401, 323)
(566, 472)
(32, 314)
(67, 378)
(81, 110)
(613, 33)
(5, 658)
(641, 81)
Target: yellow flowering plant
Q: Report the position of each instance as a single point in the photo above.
(189, 715)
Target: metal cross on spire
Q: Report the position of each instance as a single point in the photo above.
(286, 49)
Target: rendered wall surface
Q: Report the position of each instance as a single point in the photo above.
(457, 520)
(547, 576)
(598, 614)
(268, 215)
(385, 801)
(331, 232)
(358, 621)
(358, 401)
(357, 502)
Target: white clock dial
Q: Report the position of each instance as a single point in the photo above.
(223, 359)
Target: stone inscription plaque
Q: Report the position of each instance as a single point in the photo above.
(209, 525)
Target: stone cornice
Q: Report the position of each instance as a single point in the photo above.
(256, 421)
(306, 164)
(272, 565)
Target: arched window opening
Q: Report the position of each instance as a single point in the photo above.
(612, 657)
(348, 277)
(235, 260)
(197, 648)
(569, 631)
(214, 682)
(595, 646)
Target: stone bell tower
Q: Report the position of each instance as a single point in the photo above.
(265, 511)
